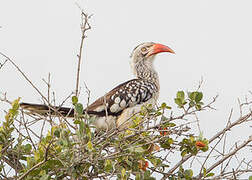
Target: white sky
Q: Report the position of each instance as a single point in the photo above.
(212, 39)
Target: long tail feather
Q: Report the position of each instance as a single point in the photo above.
(45, 110)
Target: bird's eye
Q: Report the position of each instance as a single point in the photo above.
(143, 49)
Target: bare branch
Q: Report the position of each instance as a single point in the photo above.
(12, 62)
(217, 135)
(245, 143)
(85, 26)
(2, 64)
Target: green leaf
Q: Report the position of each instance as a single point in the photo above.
(191, 138)
(82, 125)
(166, 143)
(204, 171)
(191, 104)
(88, 131)
(186, 141)
(147, 174)
(15, 104)
(79, 108)
(178, 102)
(27, 148)
(198, 107)
(57, 133)
(180, 99)
(65, 142)
(138, 176)
(181, 95)
(77, 121)
(170, 140)
(192, 95)
(163, 105)
(188, 173)
(37, 156)
(74, 100)
(183, 153)
(35, 173)
(198, 97)
(156, 162)
(250, 177)
(169, 124)
(212, 174)
(90, 146)
(123, 172)
(108, 165)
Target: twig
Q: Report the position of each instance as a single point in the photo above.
(225, 175)
(48, 83)
(84, 27)
(2, 64)
(229, 155)
(88, 93)
(12, 62)
(43, 97)
(217, 135)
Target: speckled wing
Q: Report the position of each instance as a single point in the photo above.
(128, 94)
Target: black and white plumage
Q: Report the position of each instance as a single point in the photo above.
(117, 106)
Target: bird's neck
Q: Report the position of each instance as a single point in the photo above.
(144, 70)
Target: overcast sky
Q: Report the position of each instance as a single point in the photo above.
(212, 39)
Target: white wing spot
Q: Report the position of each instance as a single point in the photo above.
(114, 108)
(117, 100)
(123, 103)
(143, 95)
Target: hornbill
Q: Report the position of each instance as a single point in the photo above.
(116, 107)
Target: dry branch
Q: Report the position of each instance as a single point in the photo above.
(217, 135)
(245, 143)
(85, 26)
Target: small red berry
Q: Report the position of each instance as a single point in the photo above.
(200, 144)
(143, 164)
(163, 131)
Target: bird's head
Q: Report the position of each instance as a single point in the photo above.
(146, 51)
(143, 55)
